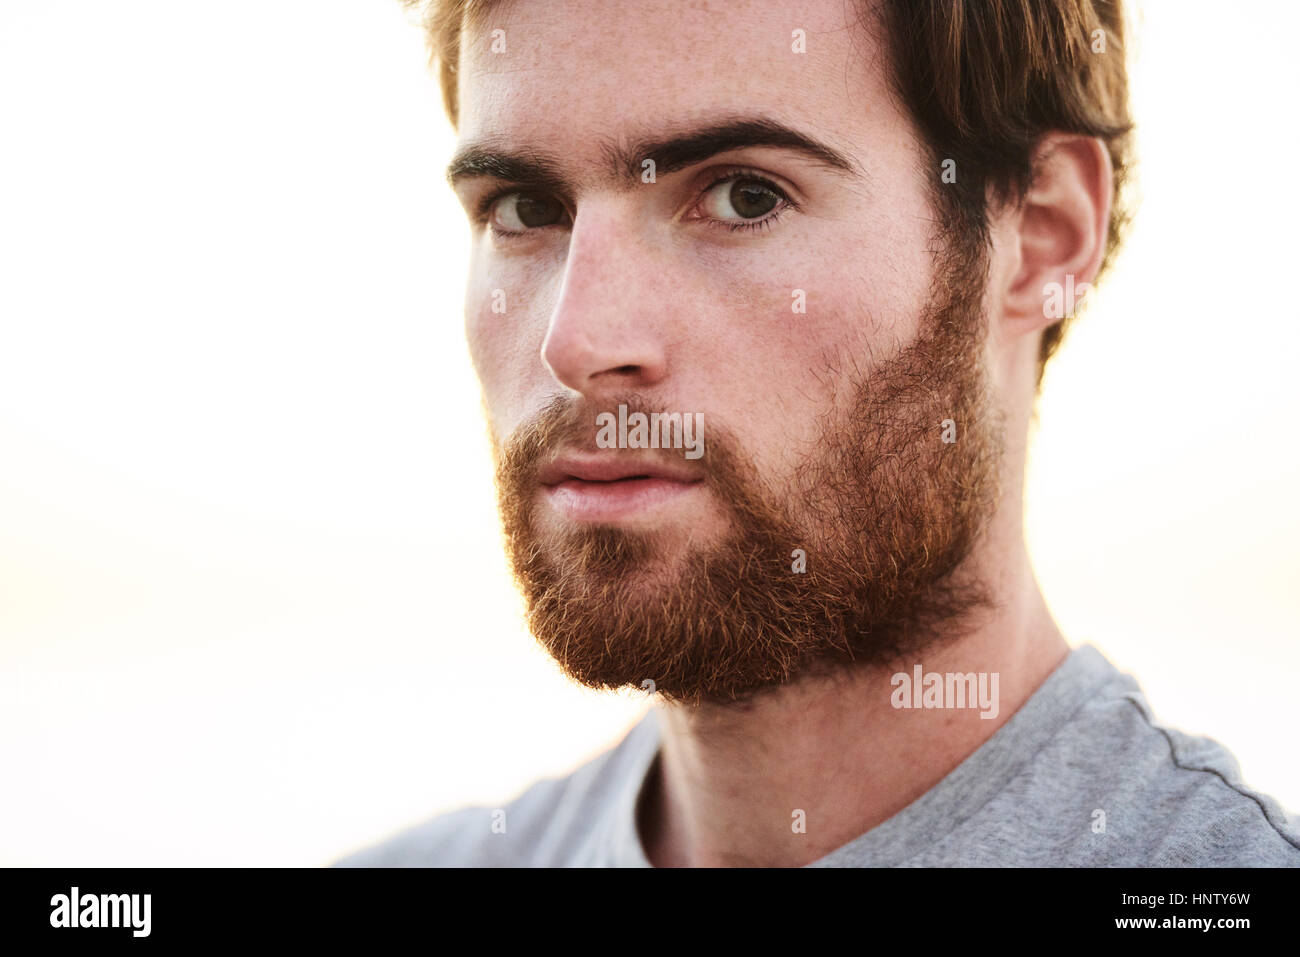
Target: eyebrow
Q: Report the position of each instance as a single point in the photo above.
(542, 170)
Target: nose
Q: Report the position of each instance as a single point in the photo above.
(608, 328)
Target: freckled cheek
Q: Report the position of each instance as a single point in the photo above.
(746, 355)
(777, 329)
(850, 294)
(773, 311)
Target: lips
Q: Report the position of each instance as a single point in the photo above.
(614, 488)
(613, 469)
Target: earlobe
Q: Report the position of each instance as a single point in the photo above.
(1059, 231)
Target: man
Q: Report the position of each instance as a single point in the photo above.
(760, 298)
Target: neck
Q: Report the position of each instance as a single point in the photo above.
(797, 772)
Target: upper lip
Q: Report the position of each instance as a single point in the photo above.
(611, 468)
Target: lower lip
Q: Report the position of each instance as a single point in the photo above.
(611, 501)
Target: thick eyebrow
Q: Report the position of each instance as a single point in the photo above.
(670, 154)
(527, 167)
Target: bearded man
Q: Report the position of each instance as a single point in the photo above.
(826, 235)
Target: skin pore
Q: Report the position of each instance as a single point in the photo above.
(668, 293)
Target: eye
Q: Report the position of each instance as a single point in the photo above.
(520, 212)
(744, 200)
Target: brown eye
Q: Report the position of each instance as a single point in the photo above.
(517, 212)
(751, 200)
(741, 198)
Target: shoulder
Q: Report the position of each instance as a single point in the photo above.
(478, 836)
(1162, 797)
(1202, 813)
(551, 823)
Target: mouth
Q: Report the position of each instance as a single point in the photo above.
(614, 490)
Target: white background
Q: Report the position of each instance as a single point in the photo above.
(253, 603)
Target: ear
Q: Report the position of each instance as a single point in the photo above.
(1055, 239)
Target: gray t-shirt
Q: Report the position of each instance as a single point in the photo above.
(1081, 776)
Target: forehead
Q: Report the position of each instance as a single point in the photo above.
(577, 73)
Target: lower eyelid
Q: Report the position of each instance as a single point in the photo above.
(752, 224)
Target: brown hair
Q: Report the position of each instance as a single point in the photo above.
(982, 79)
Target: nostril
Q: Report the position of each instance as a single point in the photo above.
(628, 370)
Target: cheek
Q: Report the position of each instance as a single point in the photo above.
(505, 325)
(856, 280)
(793, 325)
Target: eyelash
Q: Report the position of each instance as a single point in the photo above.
(483, 211)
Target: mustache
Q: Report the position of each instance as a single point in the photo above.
(566, 426)
(569, 425)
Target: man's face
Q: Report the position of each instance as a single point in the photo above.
(798, 303)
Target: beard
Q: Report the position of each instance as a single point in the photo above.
(884, 511)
